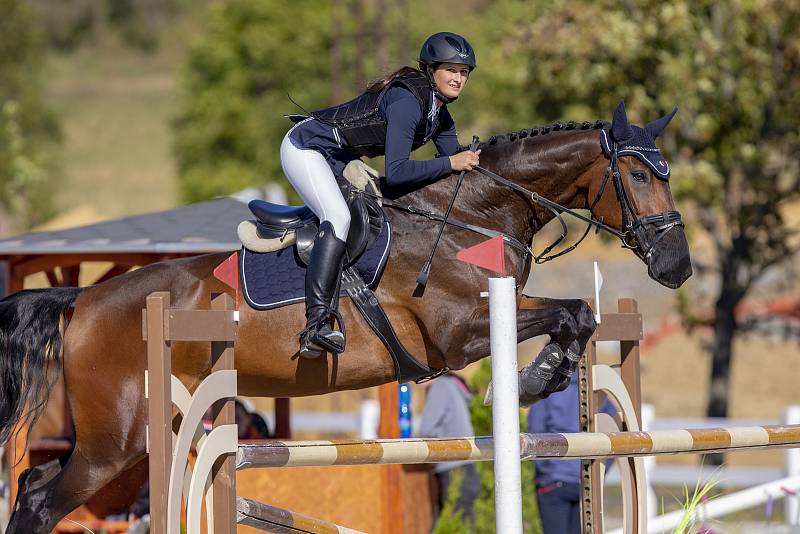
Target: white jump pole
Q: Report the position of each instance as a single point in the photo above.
(505, 404)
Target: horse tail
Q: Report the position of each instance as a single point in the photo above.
(30, 352)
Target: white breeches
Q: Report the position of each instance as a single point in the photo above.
(313, 179)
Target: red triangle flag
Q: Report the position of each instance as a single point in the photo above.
(489, 255)
(227, 272)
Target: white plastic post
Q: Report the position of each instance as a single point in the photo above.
(505, 405)
(648, 415)
(791, 506)
(369, 414)
(598, 283)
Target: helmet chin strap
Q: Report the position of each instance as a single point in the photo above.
(442, 97)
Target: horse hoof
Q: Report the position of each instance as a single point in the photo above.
(534, 379)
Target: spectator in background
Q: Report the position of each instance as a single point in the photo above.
(558, 481)
(446, 415)
(250, 424)
(139, 512)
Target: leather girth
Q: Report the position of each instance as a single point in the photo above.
(407, 368)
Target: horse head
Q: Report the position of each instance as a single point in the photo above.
(639, 203)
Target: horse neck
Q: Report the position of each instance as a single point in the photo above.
(558, 166)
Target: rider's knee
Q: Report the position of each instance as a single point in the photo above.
(341, 224)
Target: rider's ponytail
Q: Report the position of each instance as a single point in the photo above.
(380, 84)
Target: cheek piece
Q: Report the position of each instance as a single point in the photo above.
(652, 237)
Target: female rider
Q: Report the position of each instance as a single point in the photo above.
(395, 115)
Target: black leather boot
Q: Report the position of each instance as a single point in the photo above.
(322, 285)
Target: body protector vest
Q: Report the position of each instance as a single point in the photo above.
(362, 125)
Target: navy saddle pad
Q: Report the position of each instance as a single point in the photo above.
(274, 279)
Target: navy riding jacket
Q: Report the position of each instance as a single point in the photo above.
(402, 112)
(559, 413)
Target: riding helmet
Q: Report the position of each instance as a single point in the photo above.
(446, 47)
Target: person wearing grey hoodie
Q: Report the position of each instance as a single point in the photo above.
(446, 415)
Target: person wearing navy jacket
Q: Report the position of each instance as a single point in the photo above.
(394, 116)
(558, 492)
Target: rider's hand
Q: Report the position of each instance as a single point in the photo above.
(465, 161)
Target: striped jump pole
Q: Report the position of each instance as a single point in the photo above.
(273, 519)
(566, 446)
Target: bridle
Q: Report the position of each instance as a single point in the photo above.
(634, 235)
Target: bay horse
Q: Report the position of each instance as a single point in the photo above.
(94, 334)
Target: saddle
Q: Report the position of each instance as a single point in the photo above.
(278, 227)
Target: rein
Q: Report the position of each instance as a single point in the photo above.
(557, 210)
(524, 249)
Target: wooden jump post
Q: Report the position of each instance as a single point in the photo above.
(620, 382)
(164, 325)
(171, 476)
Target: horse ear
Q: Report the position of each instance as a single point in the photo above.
(620, 128)
(657, 126)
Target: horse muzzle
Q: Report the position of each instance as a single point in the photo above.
(668, 261)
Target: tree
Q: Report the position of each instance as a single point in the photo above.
(733, 69)
(68, 23)
(253, 54)
(28, 129)
(251, 57)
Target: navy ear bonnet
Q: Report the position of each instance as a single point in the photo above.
(635, 141)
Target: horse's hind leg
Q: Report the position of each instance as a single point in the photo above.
(47, 494)
(104, 375)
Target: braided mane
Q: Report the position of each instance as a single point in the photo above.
(543, 130)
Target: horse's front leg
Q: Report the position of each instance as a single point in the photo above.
(570, 324)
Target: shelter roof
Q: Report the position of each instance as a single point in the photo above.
(197, 228)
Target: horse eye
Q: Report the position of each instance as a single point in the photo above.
(639, 176)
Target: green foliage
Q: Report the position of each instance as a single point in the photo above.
(28, 129)
(65, 23)
(691, 520)
(451, 521)
(230, 124)
(733, 69)
(69, 23)
(484, 504)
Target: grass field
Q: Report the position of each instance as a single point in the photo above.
(116, 105)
